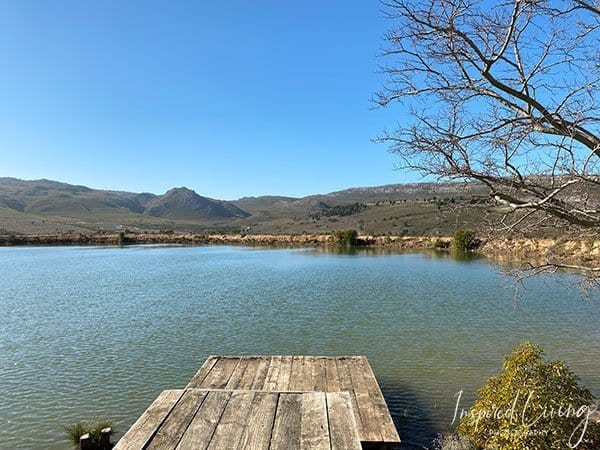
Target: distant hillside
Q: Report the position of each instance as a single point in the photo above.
(185, 204)
(51, 198)
(401, 192)
(412, 209)
(256, 204)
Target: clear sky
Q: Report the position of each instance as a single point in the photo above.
(228, 98)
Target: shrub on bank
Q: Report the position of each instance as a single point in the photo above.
(533, 403)
(345, 237)
(465, 240)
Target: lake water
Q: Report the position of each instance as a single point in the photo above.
(99, 332)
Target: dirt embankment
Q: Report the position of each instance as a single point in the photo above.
(578, 252)
(582, 252)
(163, 238)
(301, 240)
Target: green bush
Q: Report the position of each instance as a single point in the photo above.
(94, 428)
(465, 240)
(345, 237)
(532, 404)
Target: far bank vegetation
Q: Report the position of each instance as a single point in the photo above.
(345, 237)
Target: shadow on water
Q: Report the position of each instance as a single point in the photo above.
(416, 423)
(450, 255)
(357, 250)
(454, 255)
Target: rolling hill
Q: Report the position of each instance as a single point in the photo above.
(40, 206)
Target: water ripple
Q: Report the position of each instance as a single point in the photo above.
(90, 332)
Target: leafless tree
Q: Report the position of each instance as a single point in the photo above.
(504, 93)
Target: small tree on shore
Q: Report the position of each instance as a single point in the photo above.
(345, 237)
(464, 240)
(533, 403)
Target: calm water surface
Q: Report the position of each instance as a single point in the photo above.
(99, 332)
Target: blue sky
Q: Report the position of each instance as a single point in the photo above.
(228, 98)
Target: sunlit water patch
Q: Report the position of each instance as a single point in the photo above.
(99, 332)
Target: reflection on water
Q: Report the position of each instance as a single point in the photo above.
(100, 332)
(379, 251)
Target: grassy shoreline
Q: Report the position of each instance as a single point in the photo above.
(541, 250)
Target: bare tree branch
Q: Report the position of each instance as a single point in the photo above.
(504, 93)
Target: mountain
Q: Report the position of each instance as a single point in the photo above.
(185, 204)
(44, 206)
(52, 198)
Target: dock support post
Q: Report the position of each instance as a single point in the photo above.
(104, 441)
(85, 442)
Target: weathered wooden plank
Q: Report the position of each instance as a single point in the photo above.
(261, 373)
(308, 380)
(233, 422)
(369, 414)
(219, 376)
(203, 372)
(314, 426)
(297, 373)
(245, 381)
(285, 372)
(257, 434)
(286, 428)
(345, 383)
(320, 374)
(203, 425)
(143, 429)
(377, 401)
(238, 373)
(332, 376)
(272, 376)
(342, 425)
(174, 426)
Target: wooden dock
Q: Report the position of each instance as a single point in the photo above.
(269, 402)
